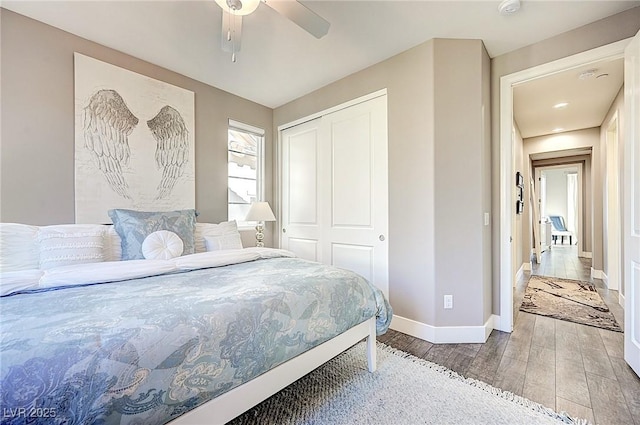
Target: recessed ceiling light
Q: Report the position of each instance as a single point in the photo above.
(561, 105)
(509, 7)
(557, 130)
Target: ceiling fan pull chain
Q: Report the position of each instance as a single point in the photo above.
(233, 42)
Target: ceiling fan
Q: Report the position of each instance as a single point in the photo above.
(234, 10)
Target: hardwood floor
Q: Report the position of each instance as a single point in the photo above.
(566, 366)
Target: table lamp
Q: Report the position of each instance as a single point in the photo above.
(260, 212)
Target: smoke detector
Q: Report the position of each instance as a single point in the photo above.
(509, 7)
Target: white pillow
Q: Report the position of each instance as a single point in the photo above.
(210, 229)
(68, 244)
(218, 243)
(162, 245)
(19, 280)
(18, 247)
(112, 245)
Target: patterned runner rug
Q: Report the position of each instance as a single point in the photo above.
(570, 300)
(405, 390)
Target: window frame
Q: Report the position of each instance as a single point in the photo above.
(260, 165)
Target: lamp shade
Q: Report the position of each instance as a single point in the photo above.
(260, 211)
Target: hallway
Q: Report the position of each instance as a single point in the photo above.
(565, 366)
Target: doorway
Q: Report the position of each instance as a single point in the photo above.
(561, 196)
(507, 169)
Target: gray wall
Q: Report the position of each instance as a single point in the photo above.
(462, 185)
(600, 33)
(37, 135)
(438, 175)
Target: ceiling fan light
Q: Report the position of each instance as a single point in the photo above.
(509, 7)
(238, 7)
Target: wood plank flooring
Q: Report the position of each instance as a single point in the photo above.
(566, 366)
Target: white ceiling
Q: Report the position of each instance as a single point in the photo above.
(279, 61)
(589, 99)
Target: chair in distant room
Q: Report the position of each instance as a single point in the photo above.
(559, 229)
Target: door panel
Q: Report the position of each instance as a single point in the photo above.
(301, 190)
(632, 205)
(352, 185)
(355, 258)
(304, 248)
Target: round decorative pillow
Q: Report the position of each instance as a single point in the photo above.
(162, 245)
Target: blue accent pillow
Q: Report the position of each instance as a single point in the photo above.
(134, 226)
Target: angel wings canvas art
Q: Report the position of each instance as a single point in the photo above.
(134, 142)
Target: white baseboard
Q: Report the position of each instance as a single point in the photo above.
(621, 299)
(520, 273)
(445, 334)
(585, 254)
(497, 321)
(598, 274)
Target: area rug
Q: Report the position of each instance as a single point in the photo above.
(404, 390)
(566, 299)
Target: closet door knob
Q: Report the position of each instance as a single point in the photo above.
(381, 237)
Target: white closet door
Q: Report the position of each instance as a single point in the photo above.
(356, 227)
(302, 168)
(347, 221)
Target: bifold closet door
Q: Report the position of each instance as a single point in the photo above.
(302, 171)
(335, 190)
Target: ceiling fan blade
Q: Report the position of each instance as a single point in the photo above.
(231, 32)
(301, 15)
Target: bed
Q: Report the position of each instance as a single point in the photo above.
(197, 338)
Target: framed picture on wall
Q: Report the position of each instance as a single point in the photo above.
(519, 207)
(519, 179)
(134, 142)
(520, 193)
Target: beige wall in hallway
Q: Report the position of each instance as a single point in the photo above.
(518, 259)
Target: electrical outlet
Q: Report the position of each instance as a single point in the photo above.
(448, 301)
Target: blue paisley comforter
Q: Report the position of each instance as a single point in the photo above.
(147, 350)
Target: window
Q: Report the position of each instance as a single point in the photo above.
(246, 169)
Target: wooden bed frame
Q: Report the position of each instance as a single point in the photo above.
(227, 406)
